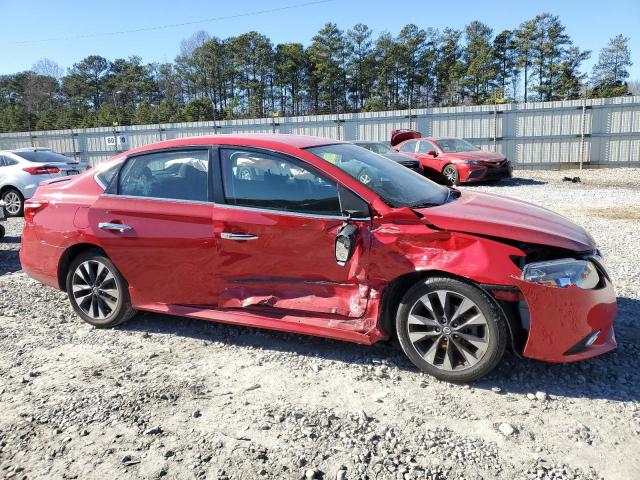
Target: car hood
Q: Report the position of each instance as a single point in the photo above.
(508, 218)
(482, 155)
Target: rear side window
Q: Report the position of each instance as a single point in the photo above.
(408, 147)
(175, 175)
(43, 157)
(260, 180)
(425, 147)
(7, 162)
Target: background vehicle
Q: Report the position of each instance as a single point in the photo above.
(457, 276)
(455, 158)
(22, 170)
(388, 152)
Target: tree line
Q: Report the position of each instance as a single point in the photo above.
(247, 76)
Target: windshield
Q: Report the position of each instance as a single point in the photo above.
(380, 148)
(396, 185)
(43, 156)
(450, 145)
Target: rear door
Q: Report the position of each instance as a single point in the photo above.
(154, 222)
(276, 222)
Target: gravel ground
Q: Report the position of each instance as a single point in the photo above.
(176, 398)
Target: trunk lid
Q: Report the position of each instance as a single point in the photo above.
(401, 135)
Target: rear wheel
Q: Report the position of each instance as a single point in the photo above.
(13, 202)
(451, 330)
(97, 291)
(451, 172)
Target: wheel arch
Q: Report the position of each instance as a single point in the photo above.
(396, 289)
(8, 186)
(67, 257)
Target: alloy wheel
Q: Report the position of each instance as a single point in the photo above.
(95, 290)
(448, 330)
(12, 203)
(451, 173)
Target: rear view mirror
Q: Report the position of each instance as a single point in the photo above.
(345, 243)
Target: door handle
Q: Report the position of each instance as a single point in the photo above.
(238, 236)
(114, 227)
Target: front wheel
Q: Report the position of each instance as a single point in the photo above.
(451, 330)
(451, 172)
(13, 202)
(97, 291)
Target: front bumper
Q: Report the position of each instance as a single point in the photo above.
(480, 173)
(561, 319)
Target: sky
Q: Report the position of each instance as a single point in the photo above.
(66, 31)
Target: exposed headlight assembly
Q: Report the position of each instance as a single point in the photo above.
(562, 273)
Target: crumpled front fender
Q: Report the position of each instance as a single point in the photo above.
(562, 317)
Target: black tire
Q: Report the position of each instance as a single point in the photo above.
(451, 172)
(496, 332)
(7, 196)
(121, 310)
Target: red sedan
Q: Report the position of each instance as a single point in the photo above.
(454, 158)
(302, 246)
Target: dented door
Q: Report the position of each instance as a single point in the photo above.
(284, 261)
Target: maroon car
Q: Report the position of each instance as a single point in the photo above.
(455, 158)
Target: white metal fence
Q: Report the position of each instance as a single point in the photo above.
(596, 133)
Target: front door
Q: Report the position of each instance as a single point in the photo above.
(276, 234)
(154, 222)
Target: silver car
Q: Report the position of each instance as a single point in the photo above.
(22, 170)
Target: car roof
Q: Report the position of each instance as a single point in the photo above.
(271, 140)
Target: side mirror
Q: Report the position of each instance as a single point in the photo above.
(432, 153)
(345, 243)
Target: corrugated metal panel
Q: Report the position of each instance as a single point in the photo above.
(595, 130)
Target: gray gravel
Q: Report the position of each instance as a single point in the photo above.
(165, 397)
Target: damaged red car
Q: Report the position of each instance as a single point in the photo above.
(302, 246)
(454, 158)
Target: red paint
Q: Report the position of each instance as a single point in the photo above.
(490, 165)
(176, 262)
(561, 317)
(503, 217)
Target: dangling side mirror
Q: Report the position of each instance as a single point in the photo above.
(345, 243)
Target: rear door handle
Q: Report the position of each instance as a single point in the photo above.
(238, 236)
(114, 227)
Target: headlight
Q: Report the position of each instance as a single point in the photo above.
(472, 162)
(562, 273)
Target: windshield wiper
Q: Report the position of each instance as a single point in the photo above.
(424, 205)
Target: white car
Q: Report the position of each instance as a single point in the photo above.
(22, 170)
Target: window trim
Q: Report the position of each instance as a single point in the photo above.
(113, 189)
(222, 201)
(215, 185)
